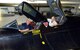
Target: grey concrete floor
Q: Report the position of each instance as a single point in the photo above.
(7, 19)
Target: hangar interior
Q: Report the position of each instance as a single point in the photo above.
(8, 9)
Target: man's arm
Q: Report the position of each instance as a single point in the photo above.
(25, 30)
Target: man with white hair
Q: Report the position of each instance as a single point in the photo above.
(51, 22)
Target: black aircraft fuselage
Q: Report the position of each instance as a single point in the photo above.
(65, 36)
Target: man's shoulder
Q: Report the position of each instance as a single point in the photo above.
(24, 24)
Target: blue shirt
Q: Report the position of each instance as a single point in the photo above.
(25, 26)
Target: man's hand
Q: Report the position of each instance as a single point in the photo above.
(21, 31)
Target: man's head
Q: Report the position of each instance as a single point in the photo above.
(28, 21)
(53, 18)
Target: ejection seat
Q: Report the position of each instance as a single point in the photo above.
(56, 9)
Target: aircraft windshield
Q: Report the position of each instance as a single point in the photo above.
(29, 10)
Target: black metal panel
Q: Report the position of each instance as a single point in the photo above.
(11, 39)
(66, 36)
